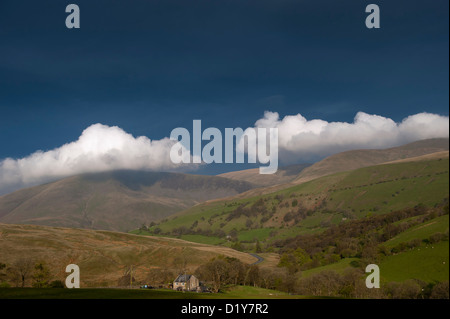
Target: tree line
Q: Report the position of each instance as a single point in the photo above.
(222, 272)
(362, 238)
(25, 272)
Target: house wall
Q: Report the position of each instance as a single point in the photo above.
(191, 284)
(177, 285)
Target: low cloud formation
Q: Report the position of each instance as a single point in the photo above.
(102, 148)
(306, 140)
(99, 148)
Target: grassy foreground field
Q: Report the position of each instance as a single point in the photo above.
(239, 292)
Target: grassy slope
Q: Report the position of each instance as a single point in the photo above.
(362, 192)
(339, 267)
(359, 193)
(101, 255)
(428, 263)
(351, 160)
(422, 231)
(117, 200)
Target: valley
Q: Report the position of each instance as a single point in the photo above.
(309, 231)
(117, 200)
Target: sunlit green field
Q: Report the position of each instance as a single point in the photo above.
(429, 263)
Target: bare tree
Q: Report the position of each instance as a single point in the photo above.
(160, 277)
(236, 271)
(2, 273)
(127, 279)
(23, 267)
(216, 272)
(252, 276)
(440, 291)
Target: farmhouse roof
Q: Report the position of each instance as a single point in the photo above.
(183, 278)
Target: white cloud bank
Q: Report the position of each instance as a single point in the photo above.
(306, 140)
(99, 148)
(102, 148)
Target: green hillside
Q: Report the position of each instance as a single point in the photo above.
(394, 215)
(339, 267)
(354, 159)
(421, 231)
(419, 252)
(314, 206)
(426, 262)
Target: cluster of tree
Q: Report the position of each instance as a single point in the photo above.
(127, 278)
(258, 208)
(183, 230)
(354, 238)
(436, 238)
(298, 259)
(146, 228)
(351, 284)
(3, 276)
(161, 277)
(223, 271)
(404, 246)
(297, 215)
(25, 272)
(416, 289)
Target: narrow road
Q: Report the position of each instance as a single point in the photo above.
(260, 259)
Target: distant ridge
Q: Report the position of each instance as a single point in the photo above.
(351, 160)
(117, 200)
(282, 176)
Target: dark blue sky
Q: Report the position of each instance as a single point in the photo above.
(150, 66)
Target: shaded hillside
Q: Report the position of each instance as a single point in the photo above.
(103, 256)
(350, 160)
(119, 200)
(282, 176)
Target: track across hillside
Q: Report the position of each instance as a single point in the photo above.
(260, 259)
